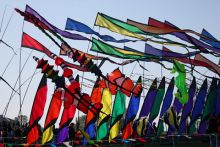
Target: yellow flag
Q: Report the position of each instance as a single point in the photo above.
(105, 23)
(47, 135)
(114, 131)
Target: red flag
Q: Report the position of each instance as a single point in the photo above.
(37, 110)
(54, 109)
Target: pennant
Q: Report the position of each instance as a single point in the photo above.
(48, 134)
(117, 113)
(30, 42)
(131, 114)
(180, 82)
(66, 118)
(198, 107)
(52, 116)
(149, 99)
(166, 105)
(102, 129)
(80, 27)
(211, 40)
(217, 109)
(114, 25)
(170, 118)
(214, 67)
(200, 45)
(87, 137)
(37, 110)
(209, 107)
(156, 106)
(48, 26)
(166, 53)
(91, 118)
(187, 109)
(101, 47)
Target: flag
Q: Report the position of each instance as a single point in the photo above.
(104, 48)
(66, 118)
(117, 26)
(149, 99)
(187, 108)
(131, 114)
(80, 27)
(211, 40)
(168, 98)
(198, 44)
(48, 26)
(198, 106)
(30, 42)
(102, 126)
(155, 109)
(52, 116)
(91, 117)
(209, 107)
(37, 111)
(117, 113)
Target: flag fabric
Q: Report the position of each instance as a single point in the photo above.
(30, 42)
(37, 111)
(66, 118)
(187, 108)
(168, 98)
(209, 107)
(213, 66)
(104, 48)
(217, 109)
(117, 26)
(210, 40)
(156, 106)
(131, 114)
(117, 113)
(200, 45)
(198, 107)
(91, 118)
(72, 24)
(149, 99)
(170, 118)
(47, 134)
(48, 26)
(52, 116)
(149, 49)
(102, 126)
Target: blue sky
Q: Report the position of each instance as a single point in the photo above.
(187, 14)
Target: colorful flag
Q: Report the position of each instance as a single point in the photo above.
(91, 117)
(187, 108)
(30, 42)
(52, 116)
(210, 40)
(199, 45)
(198, 107)
(66, 118)
(117, 113)
(48, 26)
(149, 99)
(117, 26)
(131, 114)
(209, 107)
(37, 110)
(102, 126)
(80, 27)
(166, 104)
(156, 106)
